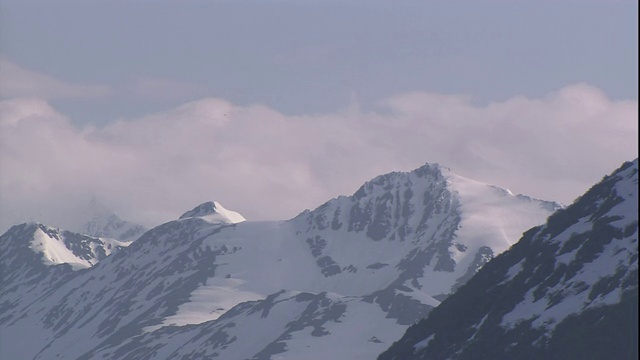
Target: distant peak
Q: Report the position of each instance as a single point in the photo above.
(95, 207)
(213, 212)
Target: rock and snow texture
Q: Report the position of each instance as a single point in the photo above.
(36, 259)
(64, 247)
(342, 281)
(53, 246)
(566, 290)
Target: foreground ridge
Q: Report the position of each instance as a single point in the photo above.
(566, 290)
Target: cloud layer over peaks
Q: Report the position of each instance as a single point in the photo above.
(267, 165)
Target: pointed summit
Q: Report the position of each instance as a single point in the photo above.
(213, 212)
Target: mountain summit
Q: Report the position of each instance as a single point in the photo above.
(214, 213)
(566, 290)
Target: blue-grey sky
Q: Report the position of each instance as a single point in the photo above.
(537, 96)
(303, 57)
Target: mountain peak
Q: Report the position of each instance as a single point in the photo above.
(385, 182)
(213, 212)
(560, 279)
(428, 168)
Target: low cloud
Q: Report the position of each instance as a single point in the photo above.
(268, 165)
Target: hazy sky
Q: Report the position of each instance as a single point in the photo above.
(272, 107)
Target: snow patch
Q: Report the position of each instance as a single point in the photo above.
(424, 343)
(209, 302)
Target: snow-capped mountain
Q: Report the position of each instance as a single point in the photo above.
(36, 259)
(55, 246)
(342, 281)
(566, 290)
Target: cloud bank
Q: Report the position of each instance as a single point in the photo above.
(267, 165)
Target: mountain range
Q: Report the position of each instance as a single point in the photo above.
(343, 281)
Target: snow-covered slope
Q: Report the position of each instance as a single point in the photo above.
(342, 281)
(566, 290)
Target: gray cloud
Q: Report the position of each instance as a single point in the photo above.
(268, 165)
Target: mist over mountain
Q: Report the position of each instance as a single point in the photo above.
(92, 218)
(342, 281)
(98, 220)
